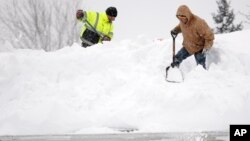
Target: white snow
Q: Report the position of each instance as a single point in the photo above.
(121, 85)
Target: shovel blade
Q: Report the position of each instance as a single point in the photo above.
(174, 75)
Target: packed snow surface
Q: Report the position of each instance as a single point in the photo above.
(121, 85)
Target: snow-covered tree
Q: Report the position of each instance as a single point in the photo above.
(225, 18)
(40, 24)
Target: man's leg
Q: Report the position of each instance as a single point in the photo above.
(87, 38)
(84, 44)
(179, 57)
(200, 59)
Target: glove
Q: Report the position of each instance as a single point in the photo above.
(174, 64)
(205, 50)
(79, 14)
(106, 38)
(174, 32)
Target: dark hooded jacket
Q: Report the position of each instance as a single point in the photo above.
(196, 33)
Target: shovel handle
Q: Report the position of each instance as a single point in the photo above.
(173, 36)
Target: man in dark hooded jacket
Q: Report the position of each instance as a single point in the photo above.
(197, 37)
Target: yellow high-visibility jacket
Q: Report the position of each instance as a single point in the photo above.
(99, 21)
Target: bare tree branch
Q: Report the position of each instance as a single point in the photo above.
(40, 24)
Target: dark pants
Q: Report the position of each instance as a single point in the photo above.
(85, 44)
(182, 54)
(89, 38)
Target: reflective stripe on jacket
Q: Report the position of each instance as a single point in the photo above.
(99, 21)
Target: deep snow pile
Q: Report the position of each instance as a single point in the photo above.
(117, 85)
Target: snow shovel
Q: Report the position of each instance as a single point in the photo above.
(173, 74)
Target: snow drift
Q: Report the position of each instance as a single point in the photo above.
(121, 85)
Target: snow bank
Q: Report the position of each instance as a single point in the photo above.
(121, 85)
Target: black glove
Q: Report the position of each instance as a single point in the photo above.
(79, 14)
(174, 32)
(174, 64)
(106, 38)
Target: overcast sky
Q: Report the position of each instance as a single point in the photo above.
(155, 18)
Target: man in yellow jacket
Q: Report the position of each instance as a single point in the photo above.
(98, 27)
(197, 37)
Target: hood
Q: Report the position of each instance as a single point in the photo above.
(184, 10)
